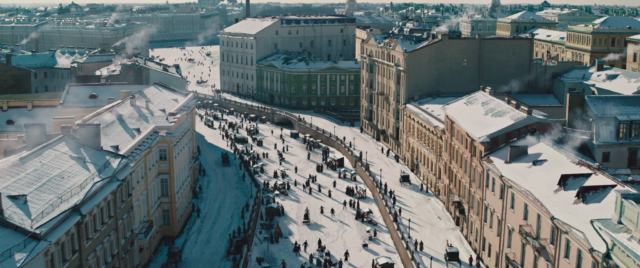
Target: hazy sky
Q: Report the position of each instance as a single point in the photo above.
(575, 2)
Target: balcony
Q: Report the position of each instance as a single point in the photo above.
(146, 229)
(539, 244)
(511, 263)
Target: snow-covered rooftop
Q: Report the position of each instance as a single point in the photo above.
(542, 181)
(430, 109)
(614, 22)
(57, 59)
(78, 95)
(537, 99)
(21, 116)
(250, 25)
(634, 37)
(43, 182)
(122, 123)
(615, 105)
(375, 19)
(610, 78)
(547, 35)
(526, 15)
(300, 61)
(483, 116)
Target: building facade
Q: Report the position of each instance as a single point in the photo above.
(397, 69)
(298, 81)
(633, 53)
(478, 25)
(199, 28)
(568, 17)
(243, 44)
(604, 38)
(519, 23)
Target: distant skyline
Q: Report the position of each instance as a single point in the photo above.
(572, 2)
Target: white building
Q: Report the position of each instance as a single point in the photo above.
(56, 34)
(474, 25)
(181, 27)
(567, 17)
(244, 43)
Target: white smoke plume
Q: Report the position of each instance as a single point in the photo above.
(203, 37)
(115, 15)
(515, 85)
(453, 23)
(139, 40)
(31, 37)
(614, 56)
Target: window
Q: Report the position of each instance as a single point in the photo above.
(164, 187)
(333, 101)
(491, 221)
(525, 215)
(509, 237)
(552, 239)
(489, 251)
(513, 201)
(486, 213)
(579, 259)
(635, 130)
(166, 217)
(567, 249)
(45, 74)
(493, 185)
(538, 225)
(501, 191)
(635, 58)
(35, 75)
(523, 254)
(622, 131)
(329, 43)
(162, 154)
(311, 43)
(606, 156)
(276, 32)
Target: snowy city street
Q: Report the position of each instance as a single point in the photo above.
(429, 218)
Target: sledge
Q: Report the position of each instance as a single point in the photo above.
(384, 262)
(305, 218)
(452, 254)
(405, 178)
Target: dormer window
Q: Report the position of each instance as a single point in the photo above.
(623, 130)
(93, 96)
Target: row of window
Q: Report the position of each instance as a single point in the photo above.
(225, 43)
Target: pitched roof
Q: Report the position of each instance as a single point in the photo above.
(250, 25)
(614, 104)
(483, 116)
(21, 116)
(122, 123)
(616, 80)
(41, 183)
(77, 95)
(541, 181)
(526, 15)
(547, 35)
(614, 22)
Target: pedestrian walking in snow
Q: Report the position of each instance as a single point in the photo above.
(400, 211)
(346, 255)
(322, 210)
(470, 261)
(333, 212)
(305, 244)
(334, 183)
(296, 169)
(375, 233)
(344, 204)
(319, 243)
(415, 244)
(329, 193)
(340, 263)
(284, 264)
(421, 245)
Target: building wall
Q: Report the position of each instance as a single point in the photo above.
(179, 27)
(463, 65)
(237, 76)
(50, 79)
(331, 88)
(506, 28)
(15, 80)
(473, 28)
(633, 55)
(543, 49)
(586, 45)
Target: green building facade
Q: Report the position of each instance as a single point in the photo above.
(300, 84)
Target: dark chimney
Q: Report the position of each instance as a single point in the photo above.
(248, 8)
(599, 65)
(36, 134)
(66, 130)
(517, 151)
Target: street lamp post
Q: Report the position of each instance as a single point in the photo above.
(334, 132)
(367, 156)
(409, 227)
(380, 175)
(354, 142)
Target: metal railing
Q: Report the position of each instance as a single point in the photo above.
(69, 194)
(5, 255)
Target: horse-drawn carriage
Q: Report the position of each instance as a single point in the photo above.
(405, 178)
(452, 254)
(225, 159)
(202, 82)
